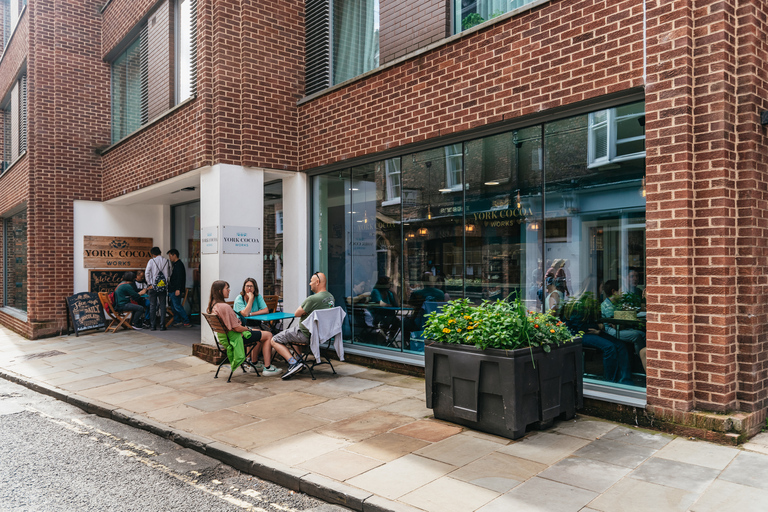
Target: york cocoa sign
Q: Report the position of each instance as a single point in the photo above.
(116, 252)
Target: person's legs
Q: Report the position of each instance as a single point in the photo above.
(615, 357)
(162, 299)
(280, 343)
(178, 309)
(153, 304)
(137, 314)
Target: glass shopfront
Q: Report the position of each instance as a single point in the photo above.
(185, 228)
(552, 214)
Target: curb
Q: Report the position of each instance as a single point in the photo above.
(317, 486)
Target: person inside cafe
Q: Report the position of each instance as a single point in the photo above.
(321, 298)
(128, 300)
(217, 305)
(158, 272)
(580, 314)
(622, 332)
(414, 322)
(633, 280)
(177, 285)
(382, 296)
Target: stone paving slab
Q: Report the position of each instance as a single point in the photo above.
(363, 438)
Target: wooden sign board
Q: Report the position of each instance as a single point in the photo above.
(105, 280)
(85, 312)
(116, 252)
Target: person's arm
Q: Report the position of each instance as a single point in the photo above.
(241, 307)
(263, 309)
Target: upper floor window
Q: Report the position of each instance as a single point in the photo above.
(616, 134)
(392, 174)
(14, 114)
(468, 13)
(342, 41)
(11, 12)
(453, 167)
(157, 69)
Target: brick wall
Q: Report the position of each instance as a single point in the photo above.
(406, 26)
(553, 55)
(751, 155)
(250, 76)
(14, 56)
(119, 19)
(68, 91)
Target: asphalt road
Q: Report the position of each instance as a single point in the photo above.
(55, 457)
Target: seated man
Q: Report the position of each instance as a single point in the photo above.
(634, 336)
(141, 288)
(580, 317)
(383, 296)
(124, 293)
(321, 298)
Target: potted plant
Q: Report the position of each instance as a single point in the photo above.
(627, 307)
(499, 368)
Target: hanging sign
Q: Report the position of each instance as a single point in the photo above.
(240, 240)
(116, 252)
(209, 240)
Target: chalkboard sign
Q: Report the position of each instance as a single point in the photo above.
(105, 280)
(85, 312)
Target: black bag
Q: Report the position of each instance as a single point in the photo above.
(161, 284)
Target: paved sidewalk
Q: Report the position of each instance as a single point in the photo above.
(364, 439)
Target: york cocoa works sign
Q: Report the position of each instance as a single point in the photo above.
(116, 252)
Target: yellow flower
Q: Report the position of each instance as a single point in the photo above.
(467, 317)
(451, 321)
(470, 327)
(446, 330)
(458, 330)
(551, 330)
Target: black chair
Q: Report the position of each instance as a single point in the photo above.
(218, 327)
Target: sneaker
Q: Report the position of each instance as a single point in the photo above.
(135, 328)
(259, 366)
(187, 325)
(271, 370)
(294, 368)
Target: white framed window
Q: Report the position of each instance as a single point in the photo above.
(453, 167)
(616, 134)
(393, 183)
(14, 117)
(278, 222)
(186, 45)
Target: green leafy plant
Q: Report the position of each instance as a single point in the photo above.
(471, 20)
(629, 302)
(499, 324)
(496, 14)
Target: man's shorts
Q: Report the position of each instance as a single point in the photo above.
(290, 337)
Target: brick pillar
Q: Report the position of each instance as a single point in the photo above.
(751, 19)
(670, 205)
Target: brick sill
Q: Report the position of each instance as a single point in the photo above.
(18, 158)
(15, 313)
(149, 123)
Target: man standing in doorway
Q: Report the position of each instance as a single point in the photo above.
(157, 274)
(176, 287)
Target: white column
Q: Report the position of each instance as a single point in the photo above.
(295, 241)
(230, 195)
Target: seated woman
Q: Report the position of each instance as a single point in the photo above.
(249, 302)
(634, 336)
(217, 305)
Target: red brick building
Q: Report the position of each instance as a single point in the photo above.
(481, 143)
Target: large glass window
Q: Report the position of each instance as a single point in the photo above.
(14, 119)
(16, 261)
(273, 239)
(11, 10)
(186, 239)
(185, 33)
(468, 13)
(355, 38)
(526, 214)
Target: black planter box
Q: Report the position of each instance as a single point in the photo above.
(500, 391)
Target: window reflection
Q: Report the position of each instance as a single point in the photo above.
(551, 214)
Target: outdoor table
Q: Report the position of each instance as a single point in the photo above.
(272, 319)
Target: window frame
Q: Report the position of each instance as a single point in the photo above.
(391, 197)
(610, 124)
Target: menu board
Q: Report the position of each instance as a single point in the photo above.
(85, 312)
(105, 280)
